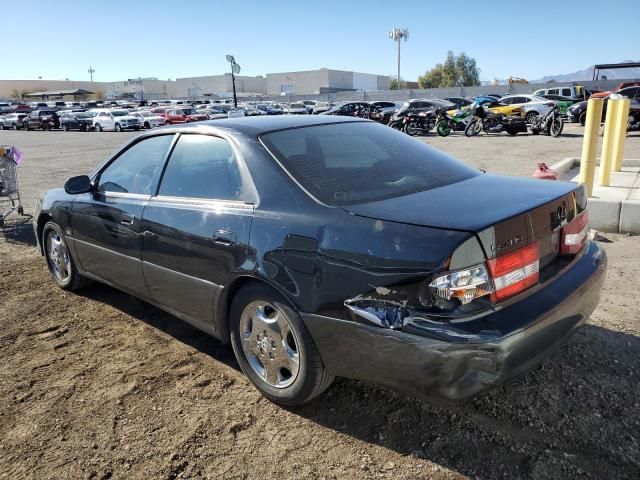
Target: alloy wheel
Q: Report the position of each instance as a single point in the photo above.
(269, 344)
(58, 256)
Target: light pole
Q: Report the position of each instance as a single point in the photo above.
(235, 69)
(396, 35)
(91, 72)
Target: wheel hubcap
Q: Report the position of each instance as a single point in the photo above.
(269, 344)
(59, 257)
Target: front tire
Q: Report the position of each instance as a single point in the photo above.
(274, 348)
(118, 128)
(61, 265)
(472, 129)
(98, 127)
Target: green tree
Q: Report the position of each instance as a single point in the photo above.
(395, 85)
(456, 71)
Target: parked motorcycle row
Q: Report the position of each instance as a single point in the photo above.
(476, 118)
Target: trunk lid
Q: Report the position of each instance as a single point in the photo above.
(505, 213)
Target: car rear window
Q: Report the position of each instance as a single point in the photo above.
(358, 162)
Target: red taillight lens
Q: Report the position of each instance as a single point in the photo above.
(574, 234)
(515, 271)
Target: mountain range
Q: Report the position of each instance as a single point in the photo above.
(587, 74)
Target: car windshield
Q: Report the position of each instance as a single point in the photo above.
(357, 162)
(119, 113)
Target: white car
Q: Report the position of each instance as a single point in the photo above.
(296, 109)
(531, 105)
(116, 120)
(148, 119)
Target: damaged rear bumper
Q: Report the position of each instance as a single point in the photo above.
(463, 360)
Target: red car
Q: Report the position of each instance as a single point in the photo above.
(615, 90)
(183, 115)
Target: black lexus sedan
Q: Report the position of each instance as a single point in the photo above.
(321, 246)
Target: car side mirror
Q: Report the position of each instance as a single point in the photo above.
(77, 185)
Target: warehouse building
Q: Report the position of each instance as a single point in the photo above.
(297, 83)
(324, 81)
(219, 85)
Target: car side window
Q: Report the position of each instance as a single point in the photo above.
(138, 168)
(202, 166)
(566, 92)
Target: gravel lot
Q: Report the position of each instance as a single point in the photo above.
(101, 385)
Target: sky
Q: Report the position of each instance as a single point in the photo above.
(168, 39)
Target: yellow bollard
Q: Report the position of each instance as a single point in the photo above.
(620, 134)
(590, 144)
(608, 142)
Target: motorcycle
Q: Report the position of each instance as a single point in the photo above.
(550, 123)
(489, 122)
(419, 122)
(445, 123)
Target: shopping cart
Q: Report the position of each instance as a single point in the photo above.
(10, 157)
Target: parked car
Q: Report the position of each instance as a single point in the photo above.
(347, 109)
(82, 121)
(617, 89)
(13, 121)
(56, 105)
(563, 102)
(5, 108)
(575, 92)
(578, 111)
(417, 105)
(322, 107)
(269, 109)
(530, 105)
(41, 119)
(310, 272)
(459, 102)
(183, 115)
(214, 113)
(116, 120)
(296, 109)
(38, 105)
(148, 119)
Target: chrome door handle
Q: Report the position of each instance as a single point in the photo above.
(126, 219)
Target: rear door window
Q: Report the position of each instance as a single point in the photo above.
(202, 166)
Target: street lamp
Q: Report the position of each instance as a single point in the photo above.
(396, 35)
(235, 69)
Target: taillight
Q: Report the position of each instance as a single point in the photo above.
(574, 234)
(514, 272)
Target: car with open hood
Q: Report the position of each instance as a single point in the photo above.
(323, 246)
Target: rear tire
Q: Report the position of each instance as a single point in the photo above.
(409, 130)
(443, 129)
(583, 118)
(267, 333)
(531, 117)
(556, 127)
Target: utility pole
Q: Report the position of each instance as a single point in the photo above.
(235, 69)
(396, 35)
(91, 72)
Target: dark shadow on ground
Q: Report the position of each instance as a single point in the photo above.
(575, 416)
(18, 230)
(161, 320)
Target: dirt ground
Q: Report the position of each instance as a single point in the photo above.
(99, 385)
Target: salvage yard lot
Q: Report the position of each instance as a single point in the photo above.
(101, 385)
